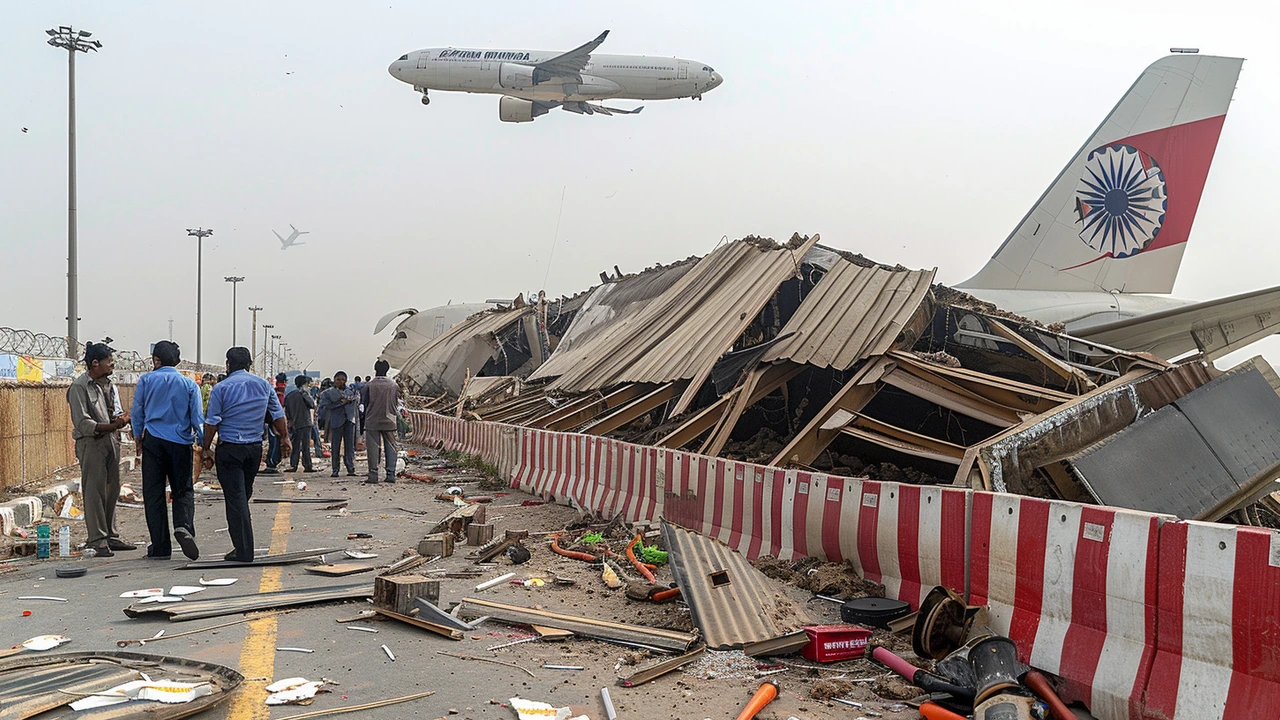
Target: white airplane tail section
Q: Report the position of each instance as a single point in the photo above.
(1118, 216)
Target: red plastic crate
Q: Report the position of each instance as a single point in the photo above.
(833, 643)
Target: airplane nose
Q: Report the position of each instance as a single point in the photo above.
(716, 79)
(394, 69)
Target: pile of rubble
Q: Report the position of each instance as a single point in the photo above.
(798, 355)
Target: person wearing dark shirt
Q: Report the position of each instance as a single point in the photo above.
(237, 406)
(339, 407)
(274, 456)
(167, 421)
(297, 411)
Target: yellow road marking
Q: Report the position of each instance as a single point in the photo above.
(258, 654)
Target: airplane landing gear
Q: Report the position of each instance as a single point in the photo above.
(698, 96)
(425, 100)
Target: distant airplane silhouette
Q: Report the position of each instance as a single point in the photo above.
(286, 243)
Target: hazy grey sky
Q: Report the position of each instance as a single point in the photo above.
(914, 133)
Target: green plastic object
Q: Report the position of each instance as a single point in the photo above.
(592, 538)
(652, 555)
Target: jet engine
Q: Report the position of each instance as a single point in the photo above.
(515, 76)
(518, 110)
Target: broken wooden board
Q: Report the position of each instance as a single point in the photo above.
(653, 672)
(550, 633)
(281, 559)
(338, 569)
(449, 632)
(636, 635)
(179, 612)
(302, 499)
(457, 521)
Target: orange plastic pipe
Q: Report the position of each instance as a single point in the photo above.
(613, 554)
(933, 711)
(1039, 685)
(573, 554)
(665, 595)
(631, 555)
(765, 695)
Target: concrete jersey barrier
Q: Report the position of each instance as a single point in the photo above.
(1141, 615)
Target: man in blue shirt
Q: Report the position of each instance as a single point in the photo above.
(237, 408)
(167, 421)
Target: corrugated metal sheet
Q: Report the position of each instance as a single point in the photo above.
(854, 312)
(1172, 384)
(732, 603)
(442, 363)
(608, 304)
(685, 329)
(1192, 455)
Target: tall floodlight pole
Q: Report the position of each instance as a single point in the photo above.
(235, 282)
(199, 234)
(274, 339)
(73, 41)
(266, 330)
(253, 336)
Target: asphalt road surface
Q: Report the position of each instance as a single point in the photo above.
(354, 660)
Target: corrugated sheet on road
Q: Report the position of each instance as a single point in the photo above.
(732, 603)
(685, 329)
(854, 312)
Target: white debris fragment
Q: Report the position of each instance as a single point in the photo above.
(219, 581)
(142, 593)
(292, 690)
(45, 642)
(164, 691)
(534, 710)
(181, 590)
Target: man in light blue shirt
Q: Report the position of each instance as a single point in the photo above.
(238, 408)
(167, 421)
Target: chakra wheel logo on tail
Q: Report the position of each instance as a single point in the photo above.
(1120, 200)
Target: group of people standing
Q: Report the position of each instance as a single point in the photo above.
(171, 415)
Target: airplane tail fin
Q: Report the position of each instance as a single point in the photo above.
(1118, 216)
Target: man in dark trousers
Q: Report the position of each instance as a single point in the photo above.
(297, 411)
(167, 421)
(381, 399)
(237, 407)
(340, 406)
(95, 418)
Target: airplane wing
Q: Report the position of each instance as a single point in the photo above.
(570, 64)
(586, 108)
(1215, 327)
(283, 243)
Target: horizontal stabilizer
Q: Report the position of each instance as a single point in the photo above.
(1214, 327)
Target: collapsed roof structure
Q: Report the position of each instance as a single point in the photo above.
(800, 355)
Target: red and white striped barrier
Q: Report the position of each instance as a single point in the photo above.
(1075, 587)
(1218, 627)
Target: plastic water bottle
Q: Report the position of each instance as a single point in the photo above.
(42, 541)
(64, 541)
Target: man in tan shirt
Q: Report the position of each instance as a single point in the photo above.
(95, 418)
(381, 399)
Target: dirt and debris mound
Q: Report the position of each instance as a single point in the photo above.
(895, 688)
(941, 357)
(833, 579)
(759, 448)
(827, 689)
(888, 472)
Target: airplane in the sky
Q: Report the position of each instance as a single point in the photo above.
(1100, 250)
(288, 242)
(534, 82)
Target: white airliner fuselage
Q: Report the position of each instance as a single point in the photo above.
(605, 77)
(534, 81)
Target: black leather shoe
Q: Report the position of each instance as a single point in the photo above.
(118, 544)
(102, 550)
(188, 543)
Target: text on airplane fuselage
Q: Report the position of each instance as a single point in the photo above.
(484, 55)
